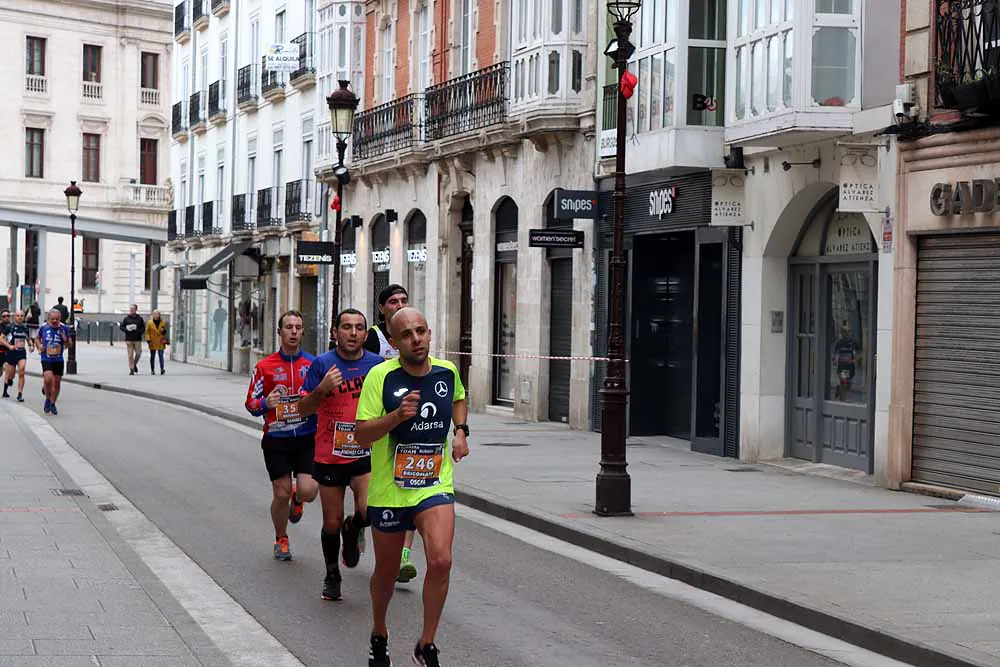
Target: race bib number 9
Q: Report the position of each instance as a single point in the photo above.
(418, 466)
(53, 349)
(287, 410)
(345, 444)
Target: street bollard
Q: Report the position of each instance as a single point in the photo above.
(88, 332)
(111, 333)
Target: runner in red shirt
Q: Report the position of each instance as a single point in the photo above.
(331, 390)
(289, 436)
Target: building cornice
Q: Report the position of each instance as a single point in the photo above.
(150, 8)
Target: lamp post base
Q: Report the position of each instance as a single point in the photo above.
(71, 367)
(614, 493)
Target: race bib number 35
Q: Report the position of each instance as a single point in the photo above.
(345, 444)
(287, 410)
(418, 466)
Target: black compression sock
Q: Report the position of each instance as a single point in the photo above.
(361, 521)
(331, 549)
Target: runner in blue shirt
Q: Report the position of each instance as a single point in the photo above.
(53, 340)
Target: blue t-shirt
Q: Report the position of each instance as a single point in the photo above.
(335, 428)
(54, 341)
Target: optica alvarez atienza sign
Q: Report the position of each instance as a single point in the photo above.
(965, 197)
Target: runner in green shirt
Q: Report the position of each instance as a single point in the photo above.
(406, 411)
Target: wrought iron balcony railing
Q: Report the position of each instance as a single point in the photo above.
(469, 102)
(207, 217)
(269, 207)
(270, 80)
(178, 121)
(306, 64)
(386, 128)
(172, 231)
(609, 113)
(968, 52)
(190, 217)
(242, 218)
(181, 24)
(246, 84)
(216, 98)
(195, 111)
(198, 11)
(298, 201)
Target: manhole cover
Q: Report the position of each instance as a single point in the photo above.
(108, 507)
(67, 492)
(504, 444)
(742, 470)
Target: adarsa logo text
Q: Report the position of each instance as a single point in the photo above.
(427, 426)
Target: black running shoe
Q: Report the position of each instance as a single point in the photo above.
(351, 552)
(378, 654)
(331, 587)
(426, 656)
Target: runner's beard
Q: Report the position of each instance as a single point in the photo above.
(414, 359)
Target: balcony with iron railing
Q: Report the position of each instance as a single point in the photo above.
(241, 216)
(191, 222)
(298, 203)
(149, 97)
(198, 112)
(387, 128)
(305, 75)
(272, 84)
(967, 73)
(178, 121)
(142, 196)
(199, 15)
(182, 25)
(220, 7)
(470, 102)
(269, 206)
(247, 88)
(217, 103)
(207, 218)
(36, 84)
(173, 233)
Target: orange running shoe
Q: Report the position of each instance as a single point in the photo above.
(281, 550)
(295, 508)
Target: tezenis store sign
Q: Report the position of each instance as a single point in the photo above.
(965, 197)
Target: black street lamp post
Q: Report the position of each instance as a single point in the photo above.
(343, 104)
(614, 487)
(73, 205)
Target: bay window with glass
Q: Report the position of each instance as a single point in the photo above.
(794, 55)
(549, 43)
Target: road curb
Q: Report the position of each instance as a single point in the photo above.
(825, 623)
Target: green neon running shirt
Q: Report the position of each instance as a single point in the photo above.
(413, 461)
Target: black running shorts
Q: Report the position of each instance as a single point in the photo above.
(288, 455)
(54, 367)
(341, 474)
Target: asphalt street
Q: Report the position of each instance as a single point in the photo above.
(511, 604)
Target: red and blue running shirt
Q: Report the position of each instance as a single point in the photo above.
(286, 373)
(335, 441)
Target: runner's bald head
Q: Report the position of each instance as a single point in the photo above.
(405, 317)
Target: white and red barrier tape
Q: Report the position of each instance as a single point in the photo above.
(519, 356)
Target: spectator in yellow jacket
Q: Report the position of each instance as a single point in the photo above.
(158, 339)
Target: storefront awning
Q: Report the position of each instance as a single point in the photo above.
(198, 279)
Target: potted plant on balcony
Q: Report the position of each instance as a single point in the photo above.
(946, 87)
(972, 94)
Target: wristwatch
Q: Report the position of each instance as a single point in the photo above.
(462, 427)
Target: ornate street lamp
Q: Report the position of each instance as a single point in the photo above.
(343, 104)
(72, 205)
(614, 487)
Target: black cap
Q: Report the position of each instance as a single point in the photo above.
(389, 292)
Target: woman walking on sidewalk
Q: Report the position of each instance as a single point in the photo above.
(157, 338)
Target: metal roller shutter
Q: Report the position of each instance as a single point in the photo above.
(560, 338)
(956, 391)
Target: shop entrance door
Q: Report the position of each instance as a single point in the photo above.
(465, 314)
(709, 333)
(661, 335)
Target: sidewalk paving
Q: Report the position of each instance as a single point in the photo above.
(68, 592)
(909, 576)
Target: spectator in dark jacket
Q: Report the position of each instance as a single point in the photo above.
(134, 328)
(63, 310)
